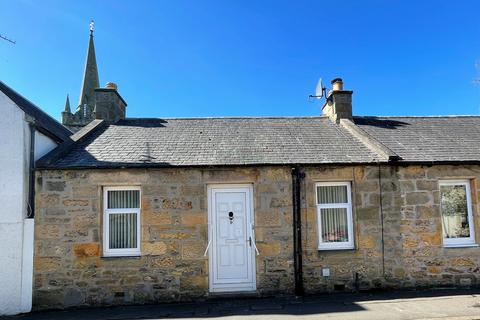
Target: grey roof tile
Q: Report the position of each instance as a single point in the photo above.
(251, 141)
(215, 141)
(427, 139)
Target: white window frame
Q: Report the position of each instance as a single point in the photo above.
(335, 245)
(107, 252)
(459, 242)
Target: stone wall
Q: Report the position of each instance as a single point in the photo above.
(349, 269)
(397, 231)
(415, 255)
(70, 269)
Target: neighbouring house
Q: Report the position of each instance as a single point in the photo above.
(154, 210)
(27, 134)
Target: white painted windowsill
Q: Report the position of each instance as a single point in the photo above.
(118, 255)
(465, 245)
(335, 248)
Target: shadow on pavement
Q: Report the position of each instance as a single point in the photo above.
(310, 305)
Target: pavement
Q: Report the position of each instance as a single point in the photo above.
(402, 305)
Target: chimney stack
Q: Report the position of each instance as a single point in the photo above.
(339, 102)
(109, 105)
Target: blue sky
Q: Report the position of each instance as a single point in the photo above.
(253, 58)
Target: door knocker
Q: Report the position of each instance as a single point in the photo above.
(230, 217)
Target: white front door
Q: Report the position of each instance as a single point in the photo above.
(232, 263)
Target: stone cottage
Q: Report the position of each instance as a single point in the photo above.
(154, 210)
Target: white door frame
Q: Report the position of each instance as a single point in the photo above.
(234, 287)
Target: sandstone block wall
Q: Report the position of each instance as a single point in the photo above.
(398, 230)
(415, 255)
(361, 267)
(70, 269)
(396, 216)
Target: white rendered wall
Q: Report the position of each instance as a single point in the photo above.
(16, 232)
(12, 211)
(27, 266)
(43, 145)
(13, 130)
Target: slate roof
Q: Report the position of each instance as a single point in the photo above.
(268, 140)
(43, 121)
(212, 142)
(427, 139)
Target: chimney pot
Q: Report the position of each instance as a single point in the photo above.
(337, 84)
(111, 85)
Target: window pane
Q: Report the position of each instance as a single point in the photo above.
(334, 225)
(454, 211)
(123, 230)
(332, 194)
(118, 199)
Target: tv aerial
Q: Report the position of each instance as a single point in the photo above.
(320, 91)
(7, 39)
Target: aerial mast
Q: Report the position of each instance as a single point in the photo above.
(7, 39)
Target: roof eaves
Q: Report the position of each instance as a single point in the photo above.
(164, 165)
(161, 166)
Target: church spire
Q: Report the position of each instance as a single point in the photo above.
(94, 102)
(90, 78)
(67, 105)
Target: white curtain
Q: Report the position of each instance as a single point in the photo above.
(333, 220)
(332, 194)
(334, 225)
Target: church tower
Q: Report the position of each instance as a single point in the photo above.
(110, 107)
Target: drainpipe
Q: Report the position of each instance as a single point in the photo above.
(382, 218)
(31, 172)
(297, 176)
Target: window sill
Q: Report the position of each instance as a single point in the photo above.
(336, 248)
(131, 256)
(465, 245)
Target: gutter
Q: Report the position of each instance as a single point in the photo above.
(109, 166)
(297, 177)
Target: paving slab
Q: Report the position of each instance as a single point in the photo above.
(393, 305)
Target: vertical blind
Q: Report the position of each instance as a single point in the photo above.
(123, 225)
(123, 230)
(454, 211)
(334, 221)
(122, 199)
